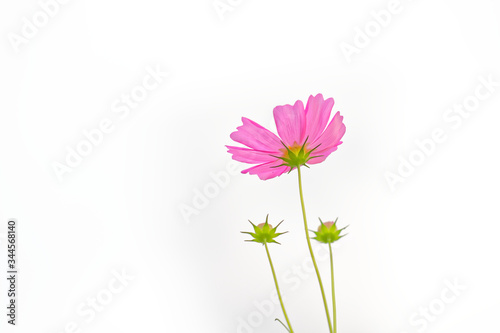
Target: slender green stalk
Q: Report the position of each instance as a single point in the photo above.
(278, 289)
(334, 306)
(312, 253)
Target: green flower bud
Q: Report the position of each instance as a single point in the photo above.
(264, 232)
(328, 232)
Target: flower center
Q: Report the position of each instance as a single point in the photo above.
(294, 150)
(296, 155)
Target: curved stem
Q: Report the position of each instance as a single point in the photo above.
(282, 324)
(312, 253)
(278, 289)
(334, 306)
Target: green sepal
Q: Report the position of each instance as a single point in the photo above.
(264, 234)
(328, 234)
(297, 158)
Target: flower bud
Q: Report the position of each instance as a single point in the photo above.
(328, 232)
(264, 232)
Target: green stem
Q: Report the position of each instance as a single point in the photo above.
(278, 289)
(312, 253)
(334, 306)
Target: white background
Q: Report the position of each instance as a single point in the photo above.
(120, 208)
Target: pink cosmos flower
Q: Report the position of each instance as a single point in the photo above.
(305, 136)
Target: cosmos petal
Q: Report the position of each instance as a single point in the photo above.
(251, 156)
(332, 134)
(321, 155)
(255, 136)
(267, 170)
(317, 113)
(290, 122)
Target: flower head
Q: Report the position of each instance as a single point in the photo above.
(264, 232)
(328, 232)
(305, 136)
